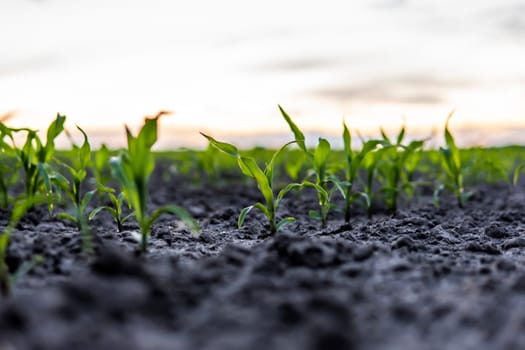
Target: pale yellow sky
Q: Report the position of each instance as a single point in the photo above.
(223, 66)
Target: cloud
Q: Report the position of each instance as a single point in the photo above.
(408, 89)
(514, 23)
(301, 64)
(508, 18)
(389, 4)
(376, 94)
(25, 65)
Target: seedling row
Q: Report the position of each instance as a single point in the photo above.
(387, 172)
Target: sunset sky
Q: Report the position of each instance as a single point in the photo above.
(223, 66)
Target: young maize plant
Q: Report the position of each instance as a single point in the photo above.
(81, 158)
(294, 161)
(132, 168)
(354, 161)
(208, 162)
(35, 159)
(516, 174)
(392, 168)
(100, 166)
(8, 171)
(323, 177)
(370, 163)
(265, 183)
(116, 210)
(451, 163)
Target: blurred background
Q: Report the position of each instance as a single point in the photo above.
(223, 66)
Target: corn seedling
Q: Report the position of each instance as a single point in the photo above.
(294, 163)
(370, 164)
(100, 166)
(208, 162)
(265, 183)
(116, 210)
(516, 174)
(81, 158)
(353, 162)
(323, 178)
(35, 159)
(451, 163)
(393, 167)
(8, 173)
(132, 169)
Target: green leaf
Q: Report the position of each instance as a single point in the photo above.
(60, 181)
(285, 191)
(314, 215)
(223, 146)
(451, 145)
(385, 136)
(401, 135)
(369, 146)
(86, 199)
(284, 222)
(299, 136)
(84, 151)
(127, 217)
(97, 210)
(122, 174)
(263, 209)
(517, 173)
(320, 157)
(102, 157)
(43, 171)
(55, 129)
(366, 197)
(340, 186)
(242, 215)
(66, 216)
(436, 195)
(268, 171)
(260, 177)
(347, 142)
(321, 192)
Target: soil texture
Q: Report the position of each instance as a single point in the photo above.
(424, 278)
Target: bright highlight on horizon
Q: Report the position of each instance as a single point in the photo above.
(223, 66)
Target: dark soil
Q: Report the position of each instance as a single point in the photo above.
(424, 278)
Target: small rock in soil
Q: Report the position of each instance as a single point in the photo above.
(496, 230)
(518, 242)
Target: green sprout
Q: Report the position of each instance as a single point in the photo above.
(370, 164)
(35, 158)
(116, 210)
(393, 168)
(323, 177)
(451, 163)
(208, 162)
(8, 171)
(132, 169)
(354, 161)
(77, 172)
(295, 160)
(100, 165)
(265, 182)
(516, 174)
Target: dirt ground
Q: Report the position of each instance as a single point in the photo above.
(424, 278)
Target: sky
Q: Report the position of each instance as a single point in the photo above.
(223, 67)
